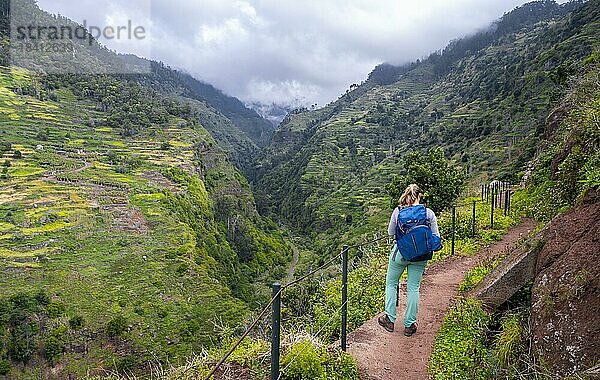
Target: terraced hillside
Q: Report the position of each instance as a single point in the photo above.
(239, 130)
(119, 249)
(483, 98)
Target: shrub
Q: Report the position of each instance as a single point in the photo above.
(22, 344)
(53, 349)
(42, 298)
(76, 322)
(43, 135)
(305, 360)
(439, 179)
(248, 352)
(22, 301)
(510, 342)
(116, 326)
(55, 309)
(4, 367)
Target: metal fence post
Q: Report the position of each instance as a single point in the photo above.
(473, 224)
(344, 296)
(482, 192)
(275, 331)
(497, 193)
(453, 227)
(492, 213)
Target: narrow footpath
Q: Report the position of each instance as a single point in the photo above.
(382, 355)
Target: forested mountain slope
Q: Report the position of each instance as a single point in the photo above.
(127, 235)
(239, 130)
(142, 237)
(484, 99)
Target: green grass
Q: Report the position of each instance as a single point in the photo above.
(478, 273)
(459, 350)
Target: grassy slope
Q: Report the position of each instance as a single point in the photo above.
(96, 221)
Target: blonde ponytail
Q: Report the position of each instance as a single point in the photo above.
(410, 196)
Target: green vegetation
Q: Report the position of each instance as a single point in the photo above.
(466, 349)
(25, 321)
(478, 273)
(484, 99)
(510, 343)
(558, 180)
(440, 181)
(570, 162)
(119, 198)
(305, 361)
(143, 250)
(459, 350)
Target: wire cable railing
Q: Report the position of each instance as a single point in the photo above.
(329, 321)
(313, 272)
(241, 339)
(498, 194)
(276, 299)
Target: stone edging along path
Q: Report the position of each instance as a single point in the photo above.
(392, 356)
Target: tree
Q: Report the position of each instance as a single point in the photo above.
(439, 179)
(4, 147)
(43, 135)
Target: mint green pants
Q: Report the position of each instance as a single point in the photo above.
(396, 267)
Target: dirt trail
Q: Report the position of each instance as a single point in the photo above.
(383, 356)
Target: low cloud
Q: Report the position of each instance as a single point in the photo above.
(286, 51)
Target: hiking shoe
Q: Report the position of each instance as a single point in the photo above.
(408, 331)
(385, 322)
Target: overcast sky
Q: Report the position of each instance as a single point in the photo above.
(282, 50)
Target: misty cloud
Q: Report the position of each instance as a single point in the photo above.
(286, 51)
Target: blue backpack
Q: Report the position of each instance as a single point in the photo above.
(414, 238)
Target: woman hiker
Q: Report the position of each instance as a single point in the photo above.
(397, 264)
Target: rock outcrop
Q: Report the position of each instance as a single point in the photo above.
(566, 290)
